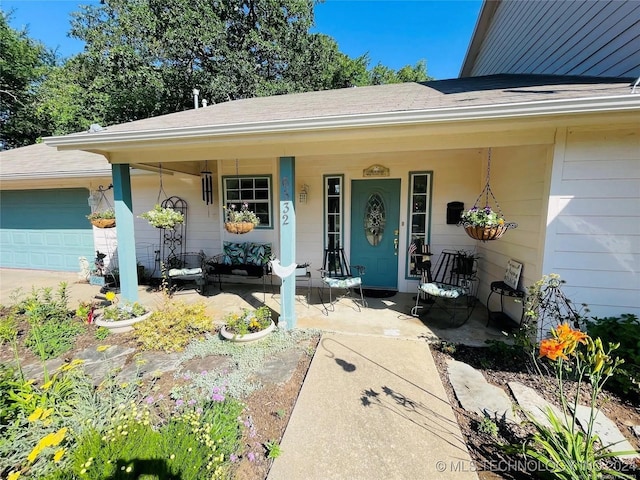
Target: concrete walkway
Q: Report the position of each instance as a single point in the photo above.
(372, 407)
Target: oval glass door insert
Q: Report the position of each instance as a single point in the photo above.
(374, 219)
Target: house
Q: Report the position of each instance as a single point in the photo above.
(563, 149)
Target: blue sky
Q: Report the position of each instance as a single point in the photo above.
(393, 32)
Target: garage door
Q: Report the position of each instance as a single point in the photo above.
(45, 229)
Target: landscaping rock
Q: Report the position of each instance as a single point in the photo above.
(533, 403)
(475, 394)
(36, 370)
(98, 365)
(279, 369)
(150, 364)
(607, 431)
(636, 430)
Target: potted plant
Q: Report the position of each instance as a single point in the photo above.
(248, 325)
(484, 223)
(119, 318)
(161, 217)
(104, 219)
(240, 221)
(465, 262)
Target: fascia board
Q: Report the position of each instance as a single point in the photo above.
(620, 103)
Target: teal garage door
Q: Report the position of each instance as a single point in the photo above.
(45, 229)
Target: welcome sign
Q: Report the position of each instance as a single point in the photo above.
(512, 275)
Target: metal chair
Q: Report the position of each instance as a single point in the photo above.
(450, 287)
(336, 273)
(187, 268)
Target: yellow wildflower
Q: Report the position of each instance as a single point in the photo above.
(102, 348)
(58, 455)
(37, 413)
(47, 385)
(13, 475)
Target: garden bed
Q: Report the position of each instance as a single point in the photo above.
(489, 459)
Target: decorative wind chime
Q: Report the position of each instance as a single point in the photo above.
(207, 184)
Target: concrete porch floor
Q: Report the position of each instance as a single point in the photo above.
(383, 317)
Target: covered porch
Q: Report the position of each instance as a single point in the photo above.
(383, 316)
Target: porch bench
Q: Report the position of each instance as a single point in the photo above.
(247, 259)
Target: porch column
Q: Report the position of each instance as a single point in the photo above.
(288, 239)
(125, 233)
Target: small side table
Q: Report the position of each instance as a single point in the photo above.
(303, 275)
(504, 290)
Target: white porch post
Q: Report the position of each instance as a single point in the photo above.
(125, 232)
(288, 238)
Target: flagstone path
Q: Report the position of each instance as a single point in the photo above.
(475, 394)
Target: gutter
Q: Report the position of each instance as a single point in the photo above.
(573, 106)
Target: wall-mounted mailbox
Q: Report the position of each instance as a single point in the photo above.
(454, 210)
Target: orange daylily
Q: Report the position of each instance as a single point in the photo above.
(565, 334)
(553, 349)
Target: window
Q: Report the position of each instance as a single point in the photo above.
(254, 191)
(419, 220)
(333, 206)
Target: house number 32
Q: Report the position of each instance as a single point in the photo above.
(286, 203)
(286, 208)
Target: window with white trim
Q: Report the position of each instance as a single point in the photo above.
(333, 206)
(254, 191)
(419, 220)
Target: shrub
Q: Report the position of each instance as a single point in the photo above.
(192, 444)
(172, 326)
(52, 338)
(625, 331)
(52, 328)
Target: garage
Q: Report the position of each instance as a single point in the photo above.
(45, 229)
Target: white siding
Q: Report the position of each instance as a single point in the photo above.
(596, 38)
(519, 181)
(593, 238)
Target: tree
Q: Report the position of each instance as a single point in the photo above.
(143, 58)
(23, 64)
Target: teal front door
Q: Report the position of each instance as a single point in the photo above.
(375, 215)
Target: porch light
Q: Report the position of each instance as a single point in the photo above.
(304, 192)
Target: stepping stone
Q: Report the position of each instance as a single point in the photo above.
(606, 430)
(149, 364)
(534, 404)
(636, 430)
(279, 369)
(475, 394)
(36, 370)
(98, 365)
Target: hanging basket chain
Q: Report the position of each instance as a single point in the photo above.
(161, 190)
(486, 191)
(484, 223)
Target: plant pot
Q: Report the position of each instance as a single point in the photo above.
(119, 326)
(103, 222)
(486, 233)
(249, 337)
(238, 227)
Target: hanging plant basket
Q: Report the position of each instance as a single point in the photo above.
(487, 233)
(485, 223)
(238, 227)
(103, 222)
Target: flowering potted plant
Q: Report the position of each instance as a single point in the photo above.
(484, 223)
(120, 318)
(104, 219)
(161, 217)
(240, 221)
(248, 325)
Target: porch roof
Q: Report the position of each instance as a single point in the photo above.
(473, 98)
(42, 162)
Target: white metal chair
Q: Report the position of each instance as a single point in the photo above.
(336, 273)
